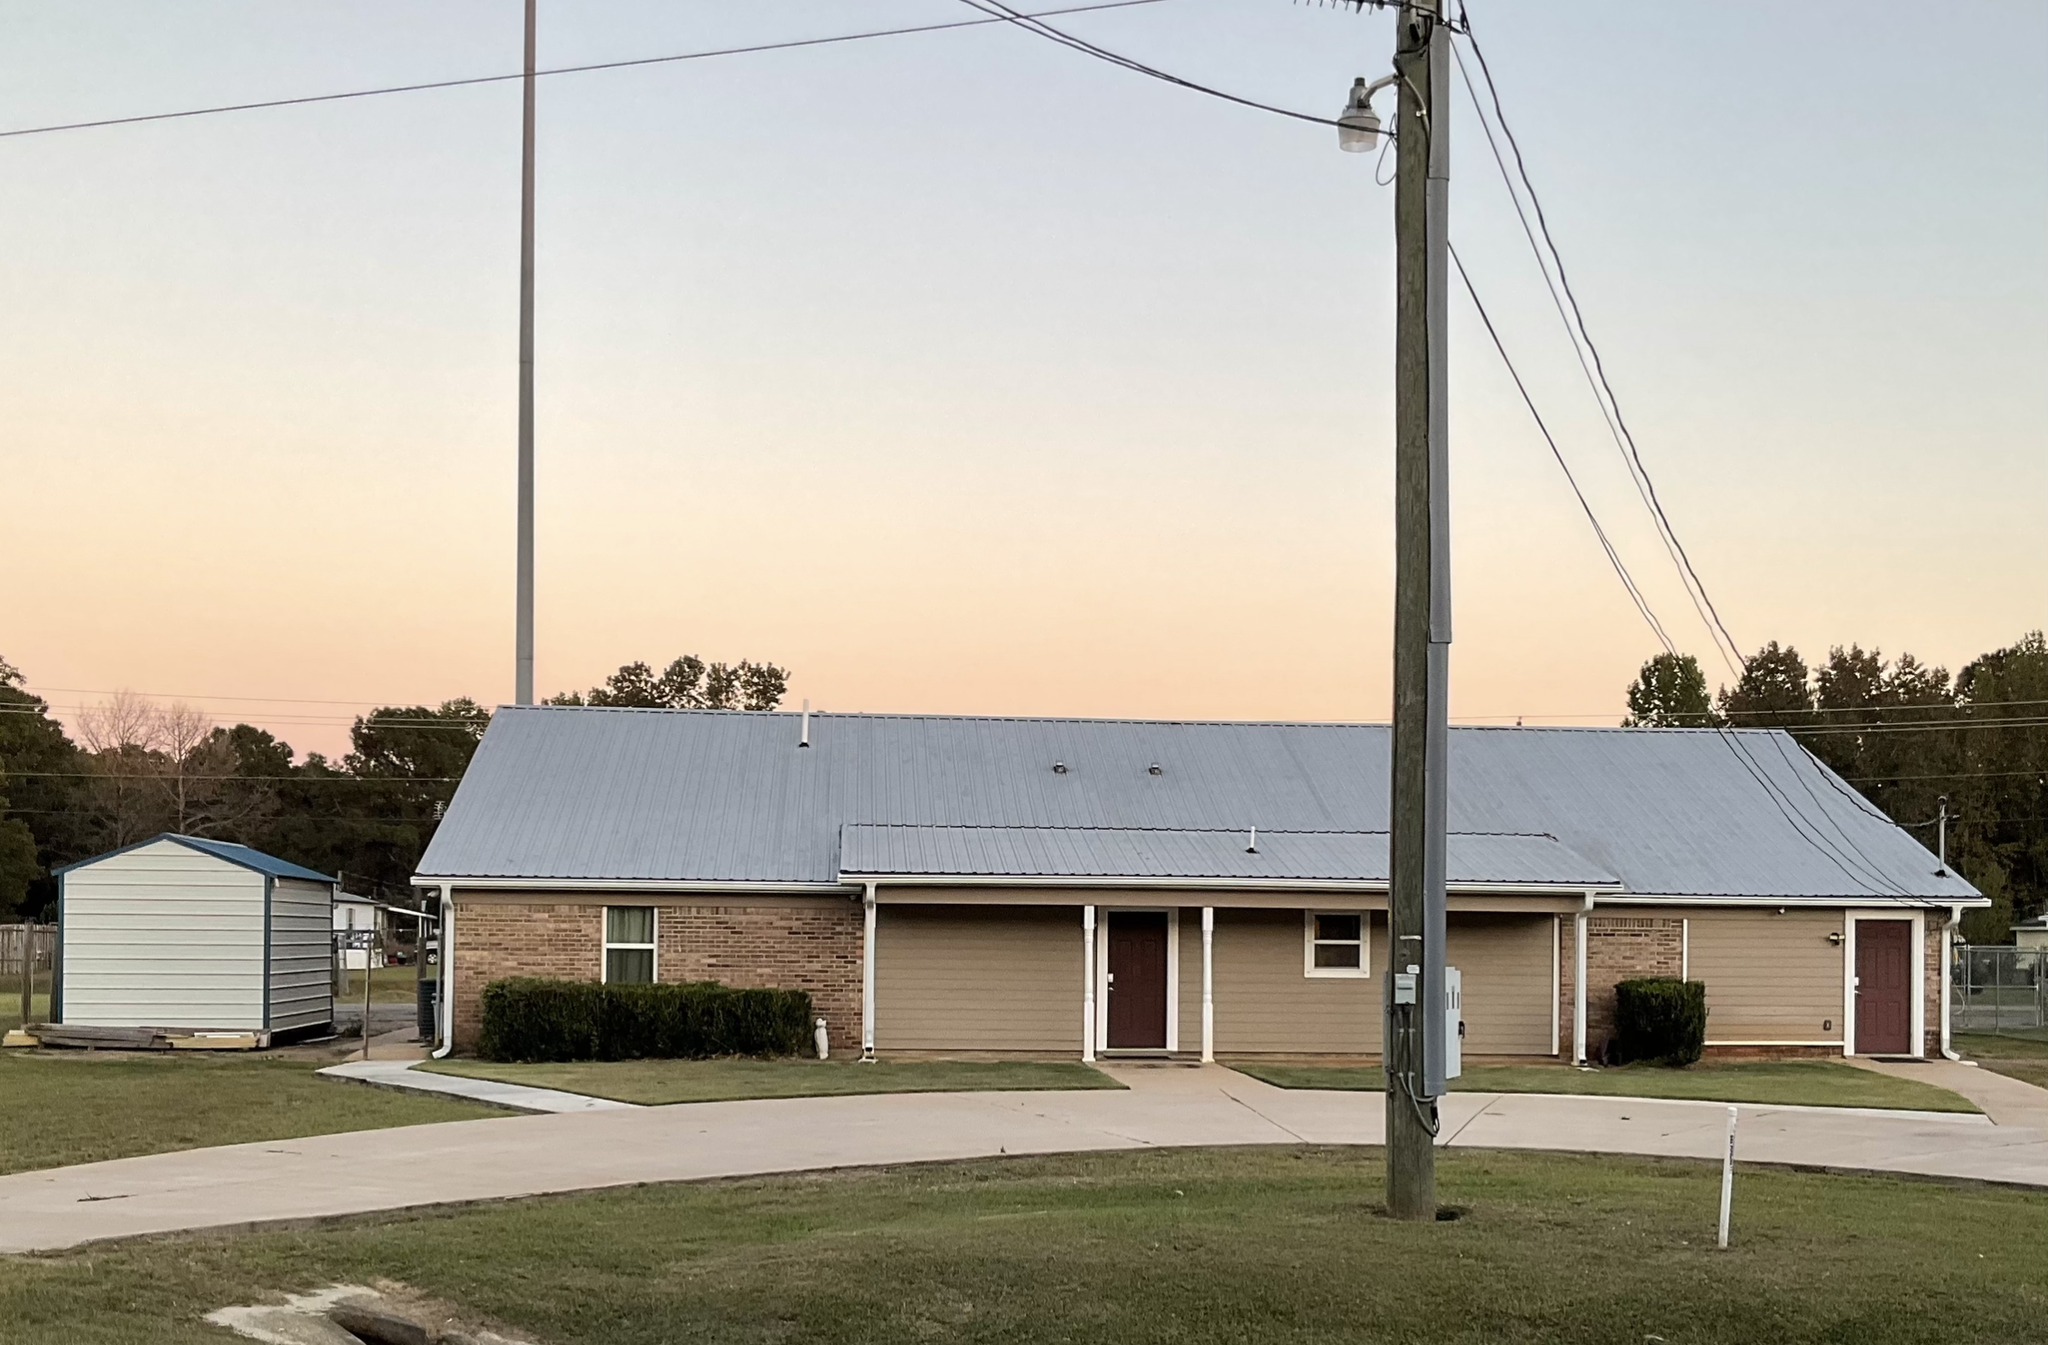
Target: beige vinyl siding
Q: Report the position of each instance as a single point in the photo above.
(1264, 1003)
(1505, 960)
(1190, 983)
(163, 936)
(301, 954)
(964, 978)
(1769, 977)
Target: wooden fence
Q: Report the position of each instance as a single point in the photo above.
(41, 940)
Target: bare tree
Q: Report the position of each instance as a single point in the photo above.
(119, 737)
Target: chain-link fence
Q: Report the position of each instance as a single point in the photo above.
(1999, 989)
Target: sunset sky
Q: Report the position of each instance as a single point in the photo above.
(958, 372)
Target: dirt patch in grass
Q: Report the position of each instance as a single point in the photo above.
(1154, 1246)
(1814, 1083)
(656, 1082)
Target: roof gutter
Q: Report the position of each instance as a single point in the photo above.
(632, 885)
(1216, 884)
(1714, 899)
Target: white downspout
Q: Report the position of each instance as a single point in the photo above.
(1948, 952)
(446, 935)
(1209, 985)
(867, 975)
(1088, 985)
(1579, 982)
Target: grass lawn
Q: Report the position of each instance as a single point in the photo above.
(662, 1081)
(388, 985)
(80, 1107)
(2023, 1057)
(10, 1007)
(1187, 1246)
(1820, 1083)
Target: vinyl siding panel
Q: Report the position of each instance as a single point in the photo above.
(1266, 1005)
(1506, 964)
(1769, 977)
(301, 954)
(960, 978)
(163, 936)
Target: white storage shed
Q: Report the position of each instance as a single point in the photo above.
(196, 934)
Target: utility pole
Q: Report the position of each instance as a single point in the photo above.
(522, 679)
(1413, 1039)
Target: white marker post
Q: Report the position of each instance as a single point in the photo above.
(1727, 1179)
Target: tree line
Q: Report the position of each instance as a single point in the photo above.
(1906, 735)
(137, 768)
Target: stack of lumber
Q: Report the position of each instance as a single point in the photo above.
(137, 1038)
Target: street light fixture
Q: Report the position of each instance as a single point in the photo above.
(1358, 129)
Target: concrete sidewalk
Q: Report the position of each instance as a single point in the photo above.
(1165, 1105)
(406, 1074)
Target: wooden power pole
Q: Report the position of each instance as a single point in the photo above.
(1413, 1031)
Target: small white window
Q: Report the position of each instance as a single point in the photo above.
(1335, 944)
(629, 945)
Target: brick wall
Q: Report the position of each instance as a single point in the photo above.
(814, 948)
(1620, 948)
(1937, 949)
(798, 945)
(494, 940)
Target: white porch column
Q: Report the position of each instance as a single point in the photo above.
(867, 975)
(1208, 984)
(1579, 983)
(1088, 984)
(445, 935)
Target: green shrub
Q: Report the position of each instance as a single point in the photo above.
(532, 1018)
(1659, 1020)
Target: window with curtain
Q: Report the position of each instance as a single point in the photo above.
(629, 944)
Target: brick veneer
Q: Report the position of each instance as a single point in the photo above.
(794, 945)
(1619, 948)
(1937, 949)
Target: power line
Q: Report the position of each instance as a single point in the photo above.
(1030, 23)
(1597, 372)
(558, 70)
(1613, 557)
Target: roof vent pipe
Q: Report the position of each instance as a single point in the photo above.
(1251, 847)
(805, 741)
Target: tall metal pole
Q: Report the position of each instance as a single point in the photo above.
(1414, 1026)
(522, 679)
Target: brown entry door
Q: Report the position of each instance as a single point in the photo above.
(1137, 981)
(1884, 987)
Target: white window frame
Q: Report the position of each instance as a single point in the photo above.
(1362, 971)
(653, 947)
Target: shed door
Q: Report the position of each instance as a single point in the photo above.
(1884, 987)
(1137, 980)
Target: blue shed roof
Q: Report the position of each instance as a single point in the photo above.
(246, 856)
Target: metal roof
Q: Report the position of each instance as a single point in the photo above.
(869, 850)
(585, 793)
(232, 852)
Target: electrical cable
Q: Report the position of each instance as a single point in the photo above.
(1597, 372)
(557, 70)
(1030, 23)
(1613, 557)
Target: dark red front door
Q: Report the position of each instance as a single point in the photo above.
(1884, 987)
(1137, 981)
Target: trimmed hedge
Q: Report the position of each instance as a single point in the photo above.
(1659, 1020)
(533, 1018)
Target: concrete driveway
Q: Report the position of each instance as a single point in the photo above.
(1165, 1105)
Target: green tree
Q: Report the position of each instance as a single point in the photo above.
(689, 683)
(43, 791)
(1772, 691)
(2000, 790)
(1669, 692)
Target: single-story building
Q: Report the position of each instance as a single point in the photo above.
(2031, 933)
(1060, 887)
(188, 933)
